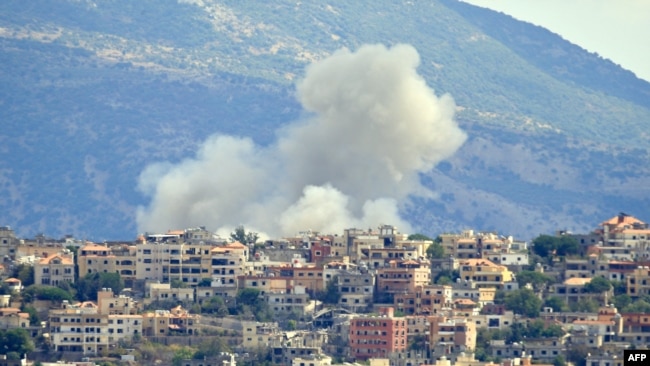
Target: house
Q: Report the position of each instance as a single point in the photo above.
(55, 269)
(485, 273)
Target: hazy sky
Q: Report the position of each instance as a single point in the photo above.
(618, 30)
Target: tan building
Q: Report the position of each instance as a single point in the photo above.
(79, 328)
(451, 335)
(12, 318)
(228, 262)
(164, 292)
(55, 269)
(425, 300)
(95, 258)
(484, 273)
(638, 282)
(403, 276)
(176, 321)
(8, 244)
(109, 303)
(258, 335)
(123, 327)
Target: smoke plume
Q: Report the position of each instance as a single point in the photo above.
(374, 125)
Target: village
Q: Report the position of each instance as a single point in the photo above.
(360, 297)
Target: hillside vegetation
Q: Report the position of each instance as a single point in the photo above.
(96, 90)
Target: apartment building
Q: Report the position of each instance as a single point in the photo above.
(356, 289)
(638, 282)
(468, 289)
(79, 328)
(176, 321)
(403, 276)
(425, 300)
(119, 258)
(377, 336)
(484, 273)
(55, 269)
(451, 335)
(572, 290)
(160, 292)
(8, 243)
(290, 301)
(258, 335)
(227, 263)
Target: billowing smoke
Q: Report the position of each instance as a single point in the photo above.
(375, 125)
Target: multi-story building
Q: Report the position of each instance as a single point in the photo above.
(425, 300)
(572, 290)
(464, 289)
(8, 244)
(638, 282)
(109, 303)
(79, 328)
(356, 289)
(451, 335)
(258, 335)
(292, 301)
(119, 258)
(403, 276)
(228, 262)
(377, 336)
(165, 292)
(55, 269)
(176, 321)
(485, 273)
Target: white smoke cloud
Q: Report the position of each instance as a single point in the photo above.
(375, 126)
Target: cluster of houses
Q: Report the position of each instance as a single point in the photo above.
(387, 309)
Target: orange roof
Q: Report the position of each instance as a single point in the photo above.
(93, 247)
(477, 262)
(175, 232)
(64, 260)
(237, 245)
(622, 220)
(12, 280)
(577, 281)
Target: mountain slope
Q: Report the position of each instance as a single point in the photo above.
(95, 91)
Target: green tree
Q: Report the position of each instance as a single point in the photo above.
(585, 305)
(43, 292)
(452, 275)
(185, 353)
(622, 301)
(435, 251)
(544, 245)
(598, 285)
(559, 361)
(176, 283)
(210, 348)
(524, 302)
(250, 303)
(419, 237)
(567, 245)
(205, 282)
(244, 237)
(417, 343)
(556, 303)
(331, 295)
(536, 279)
(639, 306)
(620, 287)
(33, 315)
(215, 305)
(16, 340)
(25, 273)
(88, 286)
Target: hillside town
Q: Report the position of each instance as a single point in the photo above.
(360, 297)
